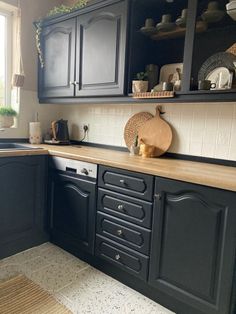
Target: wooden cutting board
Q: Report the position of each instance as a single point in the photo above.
(156, 132)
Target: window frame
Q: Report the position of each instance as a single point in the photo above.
(8, 14)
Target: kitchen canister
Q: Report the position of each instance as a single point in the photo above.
(35, 133)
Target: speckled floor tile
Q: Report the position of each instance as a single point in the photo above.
(21, 257)
(9, 271)
(45, 246)
(139, 304)
(53, 277)
(34, 265)
(88, 281)
(56, 255)
(77, 285)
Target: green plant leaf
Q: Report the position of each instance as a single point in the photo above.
(7, 111)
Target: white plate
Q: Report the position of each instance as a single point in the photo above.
(168, 70)
(222, 77)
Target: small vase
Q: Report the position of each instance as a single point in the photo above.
(6, 122)
(139, 87)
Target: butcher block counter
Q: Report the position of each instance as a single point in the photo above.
(218, 176)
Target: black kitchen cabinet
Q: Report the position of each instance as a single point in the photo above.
(56, 77)
(193, 245)
(85, 55)
(101, 45)
(23, 203)
(72, 210)
(96, 52)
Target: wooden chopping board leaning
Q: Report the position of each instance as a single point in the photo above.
(156, 132)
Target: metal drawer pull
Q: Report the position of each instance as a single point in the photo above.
(117, 257)
(74, 83)
(119, 232)
(120, 207)
(122, 182)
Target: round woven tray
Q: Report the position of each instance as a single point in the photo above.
(133, 125)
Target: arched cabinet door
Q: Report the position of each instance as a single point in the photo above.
(56, 78)
(101, 43)
(72, 207)
(22, 203)
(193, 245)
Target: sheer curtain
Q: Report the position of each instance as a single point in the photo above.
(17, 62)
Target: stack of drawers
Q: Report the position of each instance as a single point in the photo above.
(124, 219)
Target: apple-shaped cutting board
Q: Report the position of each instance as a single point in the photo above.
(156, 132)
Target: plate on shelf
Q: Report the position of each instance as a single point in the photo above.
(167, 71)
(218, 60)
(222, 77)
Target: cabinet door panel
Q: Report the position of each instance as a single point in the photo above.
(73, 210)
(23, 203)
(58, 42)
(193, 244)
(101, 51)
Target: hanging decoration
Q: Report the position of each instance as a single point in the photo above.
(62, 9)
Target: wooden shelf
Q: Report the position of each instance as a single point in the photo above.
(178, 32)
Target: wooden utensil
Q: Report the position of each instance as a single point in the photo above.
(133, 125)
(156, 132)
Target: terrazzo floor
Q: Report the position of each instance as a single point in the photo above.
(77, 285)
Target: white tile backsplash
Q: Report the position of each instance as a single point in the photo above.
(206, 129)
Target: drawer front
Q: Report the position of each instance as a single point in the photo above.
(126, 259)
(126, 182)
(125, 233)
(130, 209)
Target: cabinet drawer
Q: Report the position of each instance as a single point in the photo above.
(124, 258)
(125, 233)
(126, 182)
(130, 209)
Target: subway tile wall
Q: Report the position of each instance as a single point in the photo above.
(206, 129)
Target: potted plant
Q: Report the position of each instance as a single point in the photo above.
(140, 85)
(7, 115)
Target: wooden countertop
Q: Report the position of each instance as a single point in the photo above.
(222, 177)
(24, 152)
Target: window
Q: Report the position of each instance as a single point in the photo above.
(6, 37)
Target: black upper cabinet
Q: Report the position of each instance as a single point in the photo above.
(56, 78)
(98, 50)
(101, 44)
(85, 55)
(193, 245)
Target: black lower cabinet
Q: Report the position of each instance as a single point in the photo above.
(22, 203)
(193, 247)
(72, 209)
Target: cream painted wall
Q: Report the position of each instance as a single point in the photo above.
(207, 129)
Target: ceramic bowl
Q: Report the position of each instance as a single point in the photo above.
(165, 27)
(148, 31)
(213, 16)
(181, 22)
